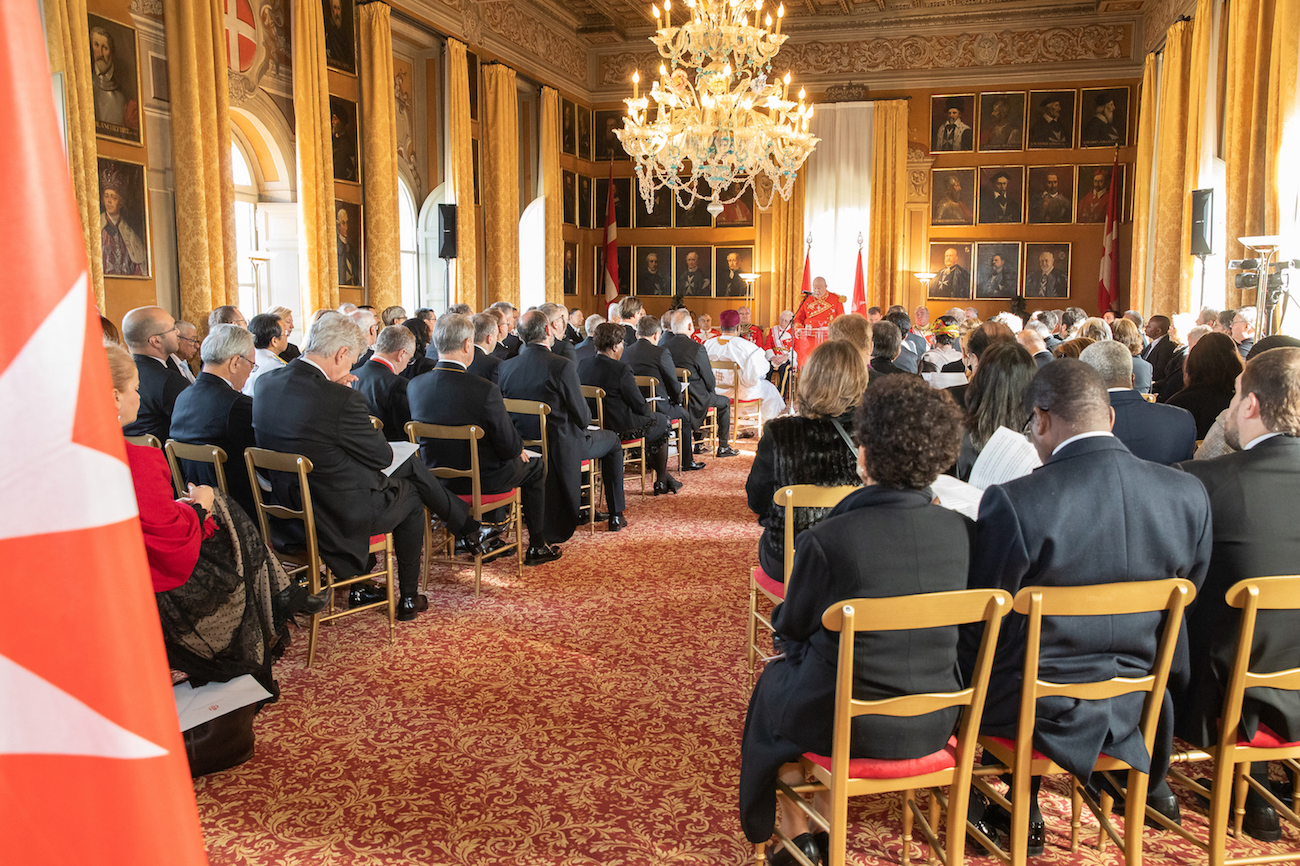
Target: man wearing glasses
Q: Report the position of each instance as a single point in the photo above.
(152, 337)
(189, 348)
(269, 339)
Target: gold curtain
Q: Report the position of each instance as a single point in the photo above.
(550, 147)
(205, 187)
(1145, 166)
(317, 246)
(787, 248)
(379, 157)
(500, 173)
(461, 170)
(1171, 271)
(67, 42)
(1283, 216)
(886, 245)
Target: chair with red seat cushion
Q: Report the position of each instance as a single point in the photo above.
(479, 502)
(637, 445)
(1233, 754)
(842, 776)
(674, 424)
(791, 497)
(306, 563)
(1023, 761)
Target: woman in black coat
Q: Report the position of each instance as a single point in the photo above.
(885, 540)
(626, 411)
(1211, 372)
(812, 447)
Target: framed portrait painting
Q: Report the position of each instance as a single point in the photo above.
(997, 269)
(570, 197)
(343, 139)
(1047, 270)
(1051, 119)
(1105, 117)
(624, 271)
(1094, 193)
(570, 268)
(654, 268)
(1002, 190)
(340, 35)
(697, 215)
(1002, 121)
(569, 127)
(584, 132)
(622, 201)
(584, 202)
(950, 264)
(123, 219)
(660, 215)
(952, 197)
(738, 213)
(728, 265)
(116, 85)
(605, 141)
(347, 242)
(952, 120)
(694, 272)
(1051, 194)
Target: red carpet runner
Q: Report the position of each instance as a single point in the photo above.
(588, 713)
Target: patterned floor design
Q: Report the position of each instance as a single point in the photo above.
(586, 713)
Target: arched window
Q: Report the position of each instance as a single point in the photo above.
(245, 228)
(407, 239)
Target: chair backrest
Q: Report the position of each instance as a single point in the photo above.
(805, 496)
(540, 410)
(650, 388)
(684, 376)
(728, 385)
(178, 451)
(927, 610)
(1251, 596)
(597, 397)
(1103, 599)
(470, 433)
(296, 464)
(148, 440)
(376, 423)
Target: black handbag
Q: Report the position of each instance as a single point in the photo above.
(221, 743)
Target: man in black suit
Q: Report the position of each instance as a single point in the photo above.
(1092, 513)
(1254, 494)
(630, 310)
(558, 319)
(368, 322)
(152, 336)
(692, 357)
(1161, 348)
(212, 411)
(1032, 338)
(380, 380)
(571, 333)
(301, 409)
(1047, 281)
(485, 363)
(1161, 434)
(453, 397)
(996, 203)
(539, 375)
(508, 342)
(587, 348)
(647, 358)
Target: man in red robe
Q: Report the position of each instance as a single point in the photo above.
(819, 308)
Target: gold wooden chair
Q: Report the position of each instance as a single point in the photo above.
(178, 451)
(1024, 762)
(590, 468)
(479, 502)
(1233, 755)
(789, 498)
(751, 409)
(308, 560)
(148, 440)
(709, 428)
(674, 424)
(630, 446)
(376, 423)
(843, 776)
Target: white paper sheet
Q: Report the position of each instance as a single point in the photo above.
(1007, 455)
(401, 451)
(956, 495)
(944, 380)
(533, 455)
(196, 706)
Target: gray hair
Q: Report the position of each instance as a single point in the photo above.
(682, 322)
(394, 339)
(460, 310)
(552, 311)
(1112, 360)
(589, 326)
(1038, 328)
(451, 332)
(1011, 320)
(503, 306)
(224, 342)
(532, 327)
(181, 326)
(365, 319)
(334, 331)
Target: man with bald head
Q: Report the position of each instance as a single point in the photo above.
(817, 309)
(150, 333)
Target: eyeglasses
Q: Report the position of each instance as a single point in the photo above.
(175, 328)
(251, 364)
(195, 340)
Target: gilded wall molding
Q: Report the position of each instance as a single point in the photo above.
(1160, 18)
(824, 57)
(513, 23)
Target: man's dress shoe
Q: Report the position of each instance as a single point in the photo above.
(616, 522)
(410, 606)
(999, 819)
(805, 842)
(539, 555)
(479, 541)
(692, 465)
(727, 451)
(364, 594)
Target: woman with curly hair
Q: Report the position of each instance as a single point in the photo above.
(888, 539)
(813, 447)
(1211, 372)
(995, 398)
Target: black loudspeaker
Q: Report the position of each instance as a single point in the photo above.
(446, 231)
(1202, 222)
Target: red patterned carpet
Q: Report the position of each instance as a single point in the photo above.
(586, 713)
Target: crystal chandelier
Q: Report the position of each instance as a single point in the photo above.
(722, 121)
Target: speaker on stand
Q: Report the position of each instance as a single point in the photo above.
(1202, 232)
(447, 242)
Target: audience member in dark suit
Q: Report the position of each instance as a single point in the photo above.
(369, 324)
(1173, 381)
(571, 333)
(485, 363)
(647, 357)
(627, 413)
(539, 375)
(692, 357)
(1036, 345)
(380, 380)
(1093, 513)
(631, 311)
(212, 411)
(152, 337)
(587, 347)
(1210, 372)
(420, 360)
(508, 342)
(300, 409)
(887, 539)
(886, 346)
(285, 315)
(1160, 349)
(1161, 434)
(1254, 495)
(451, 396)
(558, 318)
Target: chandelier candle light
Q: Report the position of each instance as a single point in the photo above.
(728, 125)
